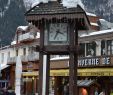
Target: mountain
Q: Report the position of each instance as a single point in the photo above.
(12, 14)
(102, 8)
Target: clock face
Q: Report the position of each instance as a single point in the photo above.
(58, 32)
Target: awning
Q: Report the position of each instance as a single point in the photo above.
(85, 83)
(4, 66)
(81, 72)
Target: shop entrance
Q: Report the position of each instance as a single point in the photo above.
(59, 85)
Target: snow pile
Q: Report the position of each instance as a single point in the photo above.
(22, 27)
(72, 3)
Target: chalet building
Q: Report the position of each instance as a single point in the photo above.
(95, 62)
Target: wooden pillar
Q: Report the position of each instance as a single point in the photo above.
(43, 83)
(73, 61)
(47, 74)
(41, 59)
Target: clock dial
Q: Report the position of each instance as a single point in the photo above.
(58, 32)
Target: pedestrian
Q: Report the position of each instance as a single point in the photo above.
(66, 89)
(96, 92)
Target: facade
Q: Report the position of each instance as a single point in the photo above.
(94, 64)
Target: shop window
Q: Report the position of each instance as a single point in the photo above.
(91, 49)
(103, 50)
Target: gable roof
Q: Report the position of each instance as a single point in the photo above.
(52, 7)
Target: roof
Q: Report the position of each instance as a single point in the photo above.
(52, 7)
(98, 33)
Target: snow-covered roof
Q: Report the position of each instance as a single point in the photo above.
(13, 42)
(59, 58)
(95, 24)
(22, 27)
(97, 33)
(66, 3)
(91, 14)
(38, 35)
(72, 3)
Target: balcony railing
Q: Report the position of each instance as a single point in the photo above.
(26, 37)
(31, 57)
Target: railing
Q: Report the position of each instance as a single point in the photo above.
(31, 57)
(26, 37)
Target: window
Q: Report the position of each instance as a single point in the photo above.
(109, 47)
(103, 48)
(16, 52)
(82, 50)
(24, 51)
(2, 58)
(91, 49)
(8, 54)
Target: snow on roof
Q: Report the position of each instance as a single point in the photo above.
(102, 19)
(13, 42)
(72, 3)
(38, 35)
(66, 3)
(90, 14)
(95, 24)
(36, 2)
(22, 27)
(98, 32)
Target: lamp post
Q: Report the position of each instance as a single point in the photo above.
(0, 71)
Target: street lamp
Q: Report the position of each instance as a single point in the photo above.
(0, 71)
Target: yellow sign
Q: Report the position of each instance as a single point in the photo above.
(85, 72)
(81, 72)
(34, 73)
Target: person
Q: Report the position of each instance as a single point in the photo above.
(96, 92)
(102, 93)
(84, 92)
(66, 89)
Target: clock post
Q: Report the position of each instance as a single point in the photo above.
(58, 36)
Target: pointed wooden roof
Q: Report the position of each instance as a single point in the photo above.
(54, 9)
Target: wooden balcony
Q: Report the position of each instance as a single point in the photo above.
(11, 60)
(26, 37)
(33, 57)
(25, 58)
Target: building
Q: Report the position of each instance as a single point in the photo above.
(94, 64)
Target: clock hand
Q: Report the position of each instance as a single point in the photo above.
(56, 35)
(61, 33)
